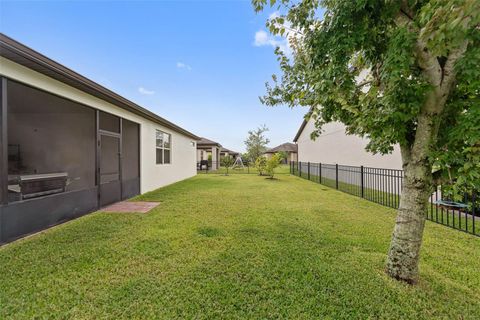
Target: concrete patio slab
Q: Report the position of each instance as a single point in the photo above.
(131, 206)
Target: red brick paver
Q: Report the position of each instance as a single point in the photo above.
(130, 206)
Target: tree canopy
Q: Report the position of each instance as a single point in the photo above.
(256, 143)
(372, 64)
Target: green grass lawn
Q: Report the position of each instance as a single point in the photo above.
(238, 246)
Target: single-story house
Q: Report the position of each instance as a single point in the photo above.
(289, 148)
(70, 146)
(226, 152)
(208, 150)
(334, 146)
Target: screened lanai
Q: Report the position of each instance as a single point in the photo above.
(60, 159)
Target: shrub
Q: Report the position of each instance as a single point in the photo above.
(227, 162)
(261, 165)
(273, 163)
(283, 156)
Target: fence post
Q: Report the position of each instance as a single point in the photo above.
(336, 175)
(320, 172)
(361, 179)
(474, 205)
(308, 170)
(299, 164)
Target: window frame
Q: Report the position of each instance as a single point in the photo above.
(162, 147)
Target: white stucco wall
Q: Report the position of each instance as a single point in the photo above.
(152, 176)
(334, 146)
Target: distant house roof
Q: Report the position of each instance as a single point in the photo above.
(23, 55)
(286, 147)
(229, 151)
(204, 142)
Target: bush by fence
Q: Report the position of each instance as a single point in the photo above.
(384, 186)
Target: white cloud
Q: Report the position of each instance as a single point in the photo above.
(142, 90)
(262, 38)
(182, 65)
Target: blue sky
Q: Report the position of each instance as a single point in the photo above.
(200, 64)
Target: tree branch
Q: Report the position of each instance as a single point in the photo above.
(428, 63)
(406, 153)
(449, 69)
(364, 83)
(405, 8)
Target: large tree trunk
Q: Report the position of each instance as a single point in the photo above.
(403, 257)
(404, 254)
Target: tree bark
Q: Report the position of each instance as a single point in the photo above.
(403, 257)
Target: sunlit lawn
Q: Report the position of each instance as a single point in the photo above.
(238, 246)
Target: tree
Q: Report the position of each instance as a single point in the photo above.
(261, 165)
(396, 72)
(283, 156)
(227, 162)
(272, 164)
(256, 143)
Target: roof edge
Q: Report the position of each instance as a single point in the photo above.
(300, 130)
(306, 118)
(76, 80)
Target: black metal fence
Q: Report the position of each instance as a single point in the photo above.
(384, 186)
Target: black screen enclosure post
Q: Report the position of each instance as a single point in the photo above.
(3, 144)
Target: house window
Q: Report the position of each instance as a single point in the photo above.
(163, 147)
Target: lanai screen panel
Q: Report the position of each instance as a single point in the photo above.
(130, 158)
(51, 144)
(109, 122)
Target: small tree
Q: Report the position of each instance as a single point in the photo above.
(261, 165)
(227, 162)
(256, 143)
(272, 164)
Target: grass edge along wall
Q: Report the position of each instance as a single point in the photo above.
(24, 67)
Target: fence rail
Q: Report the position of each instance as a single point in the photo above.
(384, 186)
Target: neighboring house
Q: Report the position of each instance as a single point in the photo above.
(70, 146)
(208, 150)
(226, 152)
(334, 146)
(289, 148)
